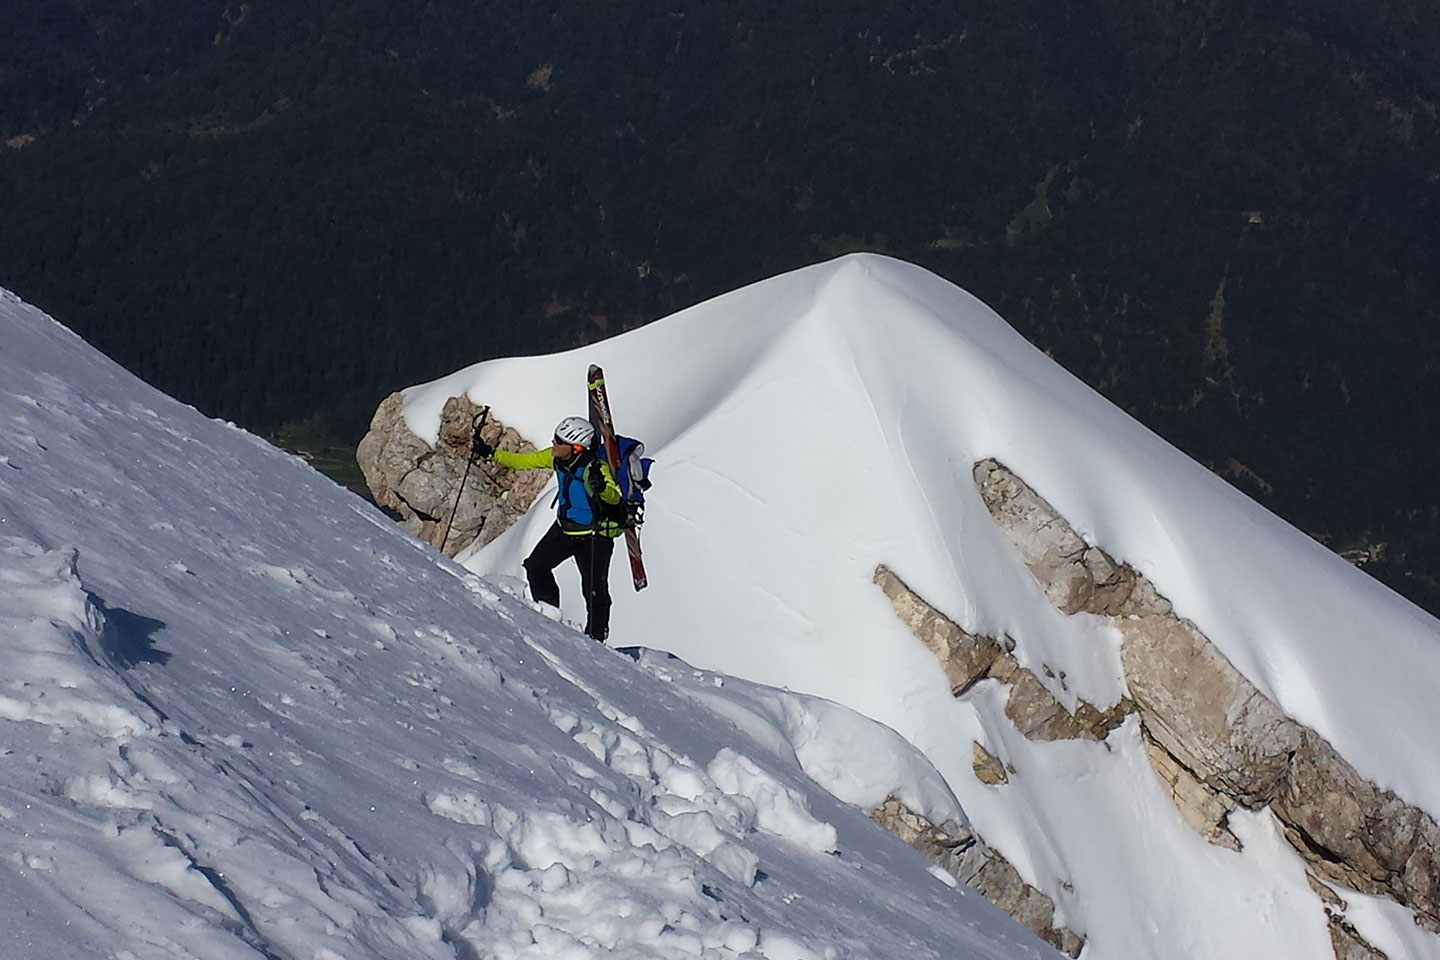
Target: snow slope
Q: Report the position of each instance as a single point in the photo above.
(814, 425)
(242, 715)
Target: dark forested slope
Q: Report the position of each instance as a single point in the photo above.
(1226, 218)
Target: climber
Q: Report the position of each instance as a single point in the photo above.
(584, 529)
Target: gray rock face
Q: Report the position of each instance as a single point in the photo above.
(987, 767)
(422, 484)
(968, 859)
(1204, 712)
(1074, 575)
(1206, 810)
(1347, 943)
(965, 656)
(1345, 940)
(1357, 834)
(968, 658)
(1214, 739)
(1039, 715)
(1052, 551)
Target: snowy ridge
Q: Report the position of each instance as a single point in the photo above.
(880, 368)
(812, 426)
(245, 716)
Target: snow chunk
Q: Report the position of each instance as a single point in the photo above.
(777, 809)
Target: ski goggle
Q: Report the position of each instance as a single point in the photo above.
(576, 447)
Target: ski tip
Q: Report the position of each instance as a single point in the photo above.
(595, 370)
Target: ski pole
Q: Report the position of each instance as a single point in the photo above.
(476, 425)
(590, 600)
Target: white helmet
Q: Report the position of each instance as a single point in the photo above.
(575, 430)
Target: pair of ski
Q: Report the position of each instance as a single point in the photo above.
(600, 416)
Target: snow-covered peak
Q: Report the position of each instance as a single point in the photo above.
(814, 425)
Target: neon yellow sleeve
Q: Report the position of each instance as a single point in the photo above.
(611, 491)
(543, 458)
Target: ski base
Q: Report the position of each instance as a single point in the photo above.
(600, 414)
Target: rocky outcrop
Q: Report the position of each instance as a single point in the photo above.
(1207, 811)
(1218, 728)
(1356, 834)
(987, 767)
(1039, 714)
(1214, 738)
(970, 860)
(1347, 943)
(1345, 940)
(1197, 706)
(1074, 575)
(965, 656)
(968, 658)
(422, 483)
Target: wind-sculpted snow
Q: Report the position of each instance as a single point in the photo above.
(819, 424)
(856, 759)
(245, 716)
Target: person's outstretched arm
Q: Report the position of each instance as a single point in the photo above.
(534, 460)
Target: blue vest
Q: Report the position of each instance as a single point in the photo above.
(575, 505)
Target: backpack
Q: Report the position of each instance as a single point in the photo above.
(633, 479)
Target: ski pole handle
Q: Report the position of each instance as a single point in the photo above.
(477, 423)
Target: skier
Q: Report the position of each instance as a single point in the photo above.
(584, 530)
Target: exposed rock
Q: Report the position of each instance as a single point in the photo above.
(1357, 834)
(1345, 940)
(988, 768)
(1074, 575)
(1330, 897)
(971, 861)
(1112, 590)
(1053, 551)
(999, 882)
(964, 656)
(1348, 944)
(1206, 811)
(1005, 669)
(421, 484)
(387, 442)
(1214, 738)
(968, 658)
(919, 832)
(1038, 714)
(1201, 709)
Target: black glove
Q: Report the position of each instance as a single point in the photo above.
(597, 477)
(480, 448)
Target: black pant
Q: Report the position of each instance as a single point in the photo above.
(591, 553)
